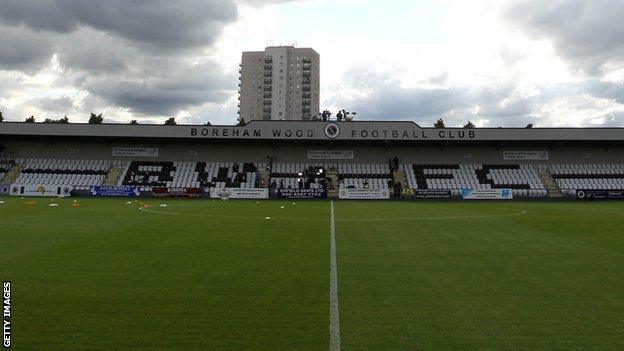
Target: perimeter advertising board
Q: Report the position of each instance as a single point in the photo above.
(239, 193)
(600, 194)
(364, 194)
(487, 194)
(409, 193)
(302, 194)
(177, 192)
(40, 190)
(115, 191)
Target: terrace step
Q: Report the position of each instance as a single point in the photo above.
(399, 177)
(113, 176)
(333, 181)
(549, 183)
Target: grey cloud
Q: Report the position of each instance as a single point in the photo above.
(387, 99)
(610, 120)
(95, 52)
(180, 89)
(59, 104)
(587, 33)
(606, 90)
(37, 14)
(21, 49)
(161, 23)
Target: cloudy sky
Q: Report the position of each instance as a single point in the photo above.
(495, 63)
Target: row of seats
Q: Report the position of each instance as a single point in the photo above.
(363, 169)
(520, 176)
(65, 164)
(611, 168)
(591, 184)
(572, 177)
(296, 183)
(370, 183)
(78, 181)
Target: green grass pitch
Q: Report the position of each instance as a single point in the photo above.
(208, 275)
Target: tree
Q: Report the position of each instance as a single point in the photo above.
(170, 122)
(241, 123)
(1, 117)
(63, 120)
(469, 125)
(208, 123)
(30, 119)
(134, 122)
(439, 124)
(530, 125)
(96, 119)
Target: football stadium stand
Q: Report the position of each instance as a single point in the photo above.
(386, 156)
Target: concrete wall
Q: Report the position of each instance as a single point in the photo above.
(298, 153)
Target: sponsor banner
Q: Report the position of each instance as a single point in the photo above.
(364, 194)
(121, 191)
(135, 151)
(330, 154)
(525, 155)
(182, 192)
(409, 193)
(487, 194)
(294, 194)
(40, 190)
(599, 194)
(4, 190)
(239, 193)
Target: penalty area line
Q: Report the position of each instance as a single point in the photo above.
(334, 313)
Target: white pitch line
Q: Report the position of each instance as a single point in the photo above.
(334, 313)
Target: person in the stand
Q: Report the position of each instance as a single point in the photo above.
(235, 167)
(366, 184)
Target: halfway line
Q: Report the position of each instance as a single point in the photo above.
(334, 315)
